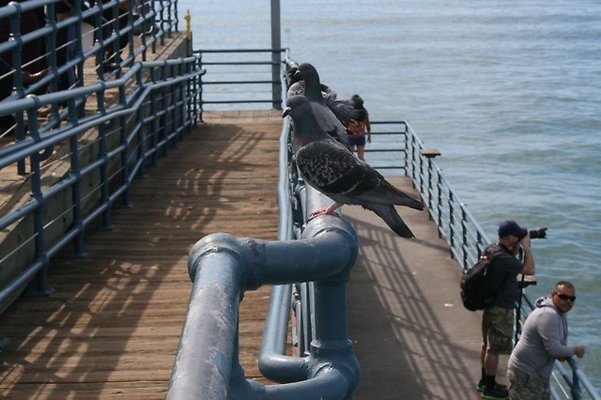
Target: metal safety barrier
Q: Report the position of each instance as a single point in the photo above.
(223, 267)
(87, 162)
(75, 152)
(241, 78)
(467, 240)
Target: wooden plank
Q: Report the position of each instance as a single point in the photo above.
(112, 327)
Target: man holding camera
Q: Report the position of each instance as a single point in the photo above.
(497, 320)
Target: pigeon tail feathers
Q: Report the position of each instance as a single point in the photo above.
(390, 216)
(387, 193)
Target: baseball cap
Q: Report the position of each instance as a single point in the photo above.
(511, 227)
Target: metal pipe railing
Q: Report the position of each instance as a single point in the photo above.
(223, 267)
(279, 367)
(266, 82)
(78, 133)
(238, 264)
(467, 241)
(330, 369)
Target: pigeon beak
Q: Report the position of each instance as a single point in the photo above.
(286, 112)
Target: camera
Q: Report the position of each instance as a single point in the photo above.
(540, 233)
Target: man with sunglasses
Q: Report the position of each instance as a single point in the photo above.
(497, 320)
(544, 339)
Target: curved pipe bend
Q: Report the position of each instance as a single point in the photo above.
(327, 252)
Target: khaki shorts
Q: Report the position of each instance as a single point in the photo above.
(526, 387)
(497, 330)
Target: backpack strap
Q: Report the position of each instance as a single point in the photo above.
(492, 255)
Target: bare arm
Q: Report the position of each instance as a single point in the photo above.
(528, 259)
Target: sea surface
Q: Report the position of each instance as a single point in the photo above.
(508, 91)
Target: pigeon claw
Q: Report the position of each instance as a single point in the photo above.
(331, 210)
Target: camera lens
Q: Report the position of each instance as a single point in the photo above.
(539, 233)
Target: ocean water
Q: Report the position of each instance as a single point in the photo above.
(509, 92)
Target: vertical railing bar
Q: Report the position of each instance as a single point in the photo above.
(79, 46)
(76, 186)
(15, 27)
(154, 98)
(154, 31)
(439, 204)
(451, 224)
(124, 156)
(38, 212)
(104, 176)
(464, 239)
(162, 19)
(130, 33)
(164, 105)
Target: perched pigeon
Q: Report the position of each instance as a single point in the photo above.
(329, 167)
(297, 86)
(328, 112)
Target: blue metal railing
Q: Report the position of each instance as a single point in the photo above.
(242, 83)
(467, 241)
(100, 155)
(304, 292)
(51, 54)
(156, 103)
(75, 152)
(328, 368)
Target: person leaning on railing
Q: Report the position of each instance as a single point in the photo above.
(497, 320)
(544, 339)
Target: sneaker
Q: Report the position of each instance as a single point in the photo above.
(497, 392)
(480, 385)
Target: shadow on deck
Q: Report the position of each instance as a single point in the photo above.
(112, 326)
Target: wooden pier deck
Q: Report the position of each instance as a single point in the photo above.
(111, 328)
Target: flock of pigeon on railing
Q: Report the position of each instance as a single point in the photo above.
(320, 144)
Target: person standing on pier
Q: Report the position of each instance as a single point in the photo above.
(544, 339)
(497, 320)
(359, 129)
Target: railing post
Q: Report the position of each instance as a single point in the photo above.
(575, 390)
(429, 154)
(451, 223)
(76, 187)
(37, 194)
(463, 235)
(439, 203)
(276, 55)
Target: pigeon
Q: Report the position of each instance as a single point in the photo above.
(297, 85)
(330, 168)
(329, 112)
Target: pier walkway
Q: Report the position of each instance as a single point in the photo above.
(111, 328)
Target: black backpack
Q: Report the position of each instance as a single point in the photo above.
(478, 289)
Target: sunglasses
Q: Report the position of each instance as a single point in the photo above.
(565, 297)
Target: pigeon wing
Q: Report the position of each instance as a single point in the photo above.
(330, 168)
(296, 89)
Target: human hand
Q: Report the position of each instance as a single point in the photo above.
(579, 351)
(526, 241)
